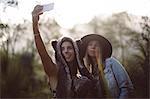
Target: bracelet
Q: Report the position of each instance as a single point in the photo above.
(36, 34)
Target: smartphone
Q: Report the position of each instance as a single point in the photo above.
(48, 7)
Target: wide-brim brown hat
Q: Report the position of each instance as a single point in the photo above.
(104, 43)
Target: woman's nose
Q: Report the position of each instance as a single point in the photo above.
(93, 46)
(65, 50)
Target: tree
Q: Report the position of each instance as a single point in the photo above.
(10, 35)
(146, 37)
(7, 3)
(116, 29)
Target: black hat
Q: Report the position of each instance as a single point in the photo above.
(104, 43)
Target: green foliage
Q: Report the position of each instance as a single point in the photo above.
(18, 78)
(22, 74)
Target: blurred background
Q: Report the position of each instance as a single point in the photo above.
(125, 23)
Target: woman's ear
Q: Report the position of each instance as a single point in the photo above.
(54, 44)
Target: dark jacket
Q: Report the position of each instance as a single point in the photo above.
(67, 79)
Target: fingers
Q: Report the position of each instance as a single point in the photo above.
(37, 10)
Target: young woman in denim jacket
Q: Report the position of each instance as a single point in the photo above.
(96, 49)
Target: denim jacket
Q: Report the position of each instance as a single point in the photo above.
(119, 83)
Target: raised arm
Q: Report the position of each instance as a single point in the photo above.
(49, 67)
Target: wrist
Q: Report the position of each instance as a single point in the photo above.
(36, 34)
(35, 19)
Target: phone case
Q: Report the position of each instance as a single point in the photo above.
(48, 7)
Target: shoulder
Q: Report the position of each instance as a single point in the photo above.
(111, 60)
(117, 68)
(114, 63)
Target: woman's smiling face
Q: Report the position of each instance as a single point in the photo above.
(68, 51)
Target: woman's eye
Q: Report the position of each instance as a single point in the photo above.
(62, 48)
(70, 48)
(97, 45)
(90, 44)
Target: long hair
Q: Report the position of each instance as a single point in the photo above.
(89, 62)
(95, 71)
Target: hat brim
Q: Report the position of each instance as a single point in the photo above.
(104, 43)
